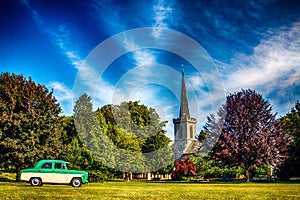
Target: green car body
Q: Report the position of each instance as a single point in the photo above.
(55, 172)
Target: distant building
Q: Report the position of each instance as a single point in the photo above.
(185, 142)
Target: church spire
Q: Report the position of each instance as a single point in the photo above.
(184, 107)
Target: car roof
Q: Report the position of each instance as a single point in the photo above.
(44, 161)
(49, 160)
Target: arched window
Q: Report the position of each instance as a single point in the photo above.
(191, 132)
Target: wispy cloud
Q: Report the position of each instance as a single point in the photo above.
(35, 16)
(64, 95)
(161, 13)
(153, 84)
(108, 15)
(63, 92)
(141, 56)
(274, 64)
(60, 37)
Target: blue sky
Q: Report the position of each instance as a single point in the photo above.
(250, 44)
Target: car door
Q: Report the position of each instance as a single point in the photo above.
(45, 172)
(60, 174)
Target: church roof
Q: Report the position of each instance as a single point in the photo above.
(193, 148)
(184, 106)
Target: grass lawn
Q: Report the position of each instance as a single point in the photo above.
(152, 190)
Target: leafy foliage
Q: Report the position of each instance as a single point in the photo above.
(29, 122)
(79, 156)
(135, 128)
(202, 135)
(184, 168)
(121, 136)
(291, 123)
(86, 147)
(249, 134)
(209, 168)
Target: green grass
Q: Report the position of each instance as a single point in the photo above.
(152, 190)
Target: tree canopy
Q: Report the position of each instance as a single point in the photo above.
(250, 136)
(79, 156)
(29, 122)
(291, 123)
(133, 127)
(128, 137)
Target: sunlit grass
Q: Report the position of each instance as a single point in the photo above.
(152, 190)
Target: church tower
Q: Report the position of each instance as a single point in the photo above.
(184, 127)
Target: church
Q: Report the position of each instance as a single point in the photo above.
(185, 142)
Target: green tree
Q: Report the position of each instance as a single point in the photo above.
(122, 136)
(124, 144)
(249, 134)
(79, 156)
(90, 132)
(84, 117)
(68, 129)
(202, 135)
(291, 123)
(157, 152)
(137, 132)
(29, 123)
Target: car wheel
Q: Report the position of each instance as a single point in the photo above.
(36, 181)
(76, 182)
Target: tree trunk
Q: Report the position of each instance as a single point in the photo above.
(127, 176)
(18, 174)
(247, 175)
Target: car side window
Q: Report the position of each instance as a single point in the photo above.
(47, 166)
(58, 166)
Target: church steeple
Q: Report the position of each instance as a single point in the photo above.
(184, 112)
(185, 142)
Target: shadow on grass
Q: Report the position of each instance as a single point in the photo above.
(216, 182)
(6, 180)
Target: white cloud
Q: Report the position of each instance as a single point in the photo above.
(61, 38)
(196, 81)
(161, 14)
(141, 56)
(64, 96)
(273, 66)
(62, 91)
(136, 83)
(103, 93)
(273, 59)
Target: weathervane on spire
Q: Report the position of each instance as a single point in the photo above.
(182, 65)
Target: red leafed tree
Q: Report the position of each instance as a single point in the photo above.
(184, 168)
(250, 136)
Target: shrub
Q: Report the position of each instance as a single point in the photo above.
(98, 176)
(184, 169)
(208, 168)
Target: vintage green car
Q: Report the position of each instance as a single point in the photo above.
(54, 172)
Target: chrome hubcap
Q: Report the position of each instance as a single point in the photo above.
(76, 182)
(35, 181)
